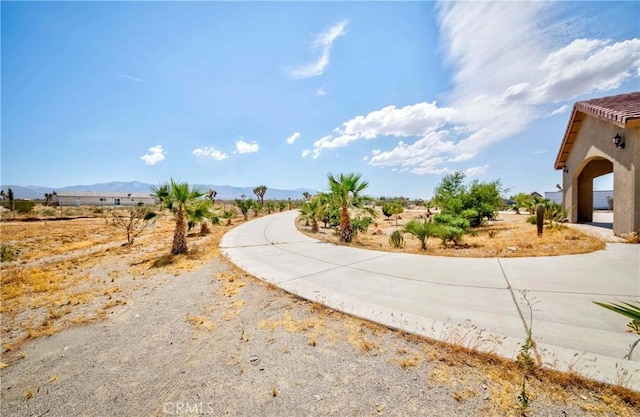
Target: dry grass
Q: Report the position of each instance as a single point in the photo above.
(508, 236)
(71, 272)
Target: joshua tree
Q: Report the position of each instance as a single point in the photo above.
(421, 230)
(211, 195)
(346, 193)
(270, 206)
(179, 199)
(260, 191)
(306, 195)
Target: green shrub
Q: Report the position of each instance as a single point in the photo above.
(24, 206)
(396, 239)
(450, 234)
(452, 220)
(361, 224)
(531, 219)
(8, 253)
(49, 213)
(98, 210)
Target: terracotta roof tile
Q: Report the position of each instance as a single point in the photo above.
(618, 108)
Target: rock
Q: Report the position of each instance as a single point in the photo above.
(512, 248)
(317, 397)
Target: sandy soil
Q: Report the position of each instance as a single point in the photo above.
(196, 336)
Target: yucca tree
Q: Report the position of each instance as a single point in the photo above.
(628, 310)
(346, 192)
(179, 199)
(422, 230)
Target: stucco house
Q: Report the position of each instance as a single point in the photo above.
(89, 198)
(603, 136)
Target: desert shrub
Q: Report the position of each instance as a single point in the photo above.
(49, 213)
(396, 239)
(8, 253)
(361, 224)
(24, 206)
(475, 202)
(450, 234)
(531, 219)
(446, 219)
(98, 210)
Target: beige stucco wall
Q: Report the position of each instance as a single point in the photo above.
(595, 141)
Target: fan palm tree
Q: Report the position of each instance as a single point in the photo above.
(201, 213)
(422, 230)
(312, 210)
(346, 192)
(179, 199)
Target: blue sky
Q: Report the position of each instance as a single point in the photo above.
(282, 93)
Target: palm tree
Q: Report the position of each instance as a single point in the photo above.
(346, 193)
(201, 213)
(180, 199)
(421, 230)
(312, 210)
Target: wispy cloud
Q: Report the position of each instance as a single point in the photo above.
(155, 155)
(322, 42)
(540, 152)
(321, 91)
(291, 139)
(210, 153)
(305, 153)
(560, 109)
(501, 84)
(130, 77)
(476, 171)
(245, 147)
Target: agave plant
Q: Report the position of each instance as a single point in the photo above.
(628, 310)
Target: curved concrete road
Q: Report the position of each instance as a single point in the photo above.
(469, 301)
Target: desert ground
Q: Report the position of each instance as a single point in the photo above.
(94, 328)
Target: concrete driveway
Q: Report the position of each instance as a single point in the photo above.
(474, 302)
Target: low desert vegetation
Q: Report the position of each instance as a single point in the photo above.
(462, 219)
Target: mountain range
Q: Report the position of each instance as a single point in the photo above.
(225, 192)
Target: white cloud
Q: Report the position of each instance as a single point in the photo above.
(321, 91)
(130, 77)
(210, 153)
(540, 152)
(414, 120)
(323, 42)
(559, 110)
(506, 77)
(293, 138)
(155, 155)
(476, 171)
(244, 147)
(305, 153)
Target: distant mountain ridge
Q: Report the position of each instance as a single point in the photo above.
(225, 192)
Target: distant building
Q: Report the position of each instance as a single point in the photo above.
(89, 198)
(600, 198)
(536, 194)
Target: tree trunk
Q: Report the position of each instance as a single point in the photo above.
(314, 226)
(346, 232)
(424, 244)
(180, 236)
(204, 229)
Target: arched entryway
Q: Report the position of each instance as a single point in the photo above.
(591, 168)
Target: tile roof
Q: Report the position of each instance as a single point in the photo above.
(622, 110)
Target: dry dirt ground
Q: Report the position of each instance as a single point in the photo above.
(508, 236)
(92, 328)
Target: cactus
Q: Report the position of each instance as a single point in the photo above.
(539, 218)
(396, 239)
